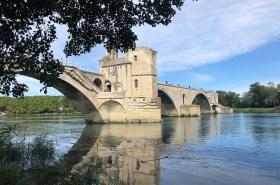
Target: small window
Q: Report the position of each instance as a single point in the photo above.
(108, 86)
(135, 57)
(136, 83)
(97, 82)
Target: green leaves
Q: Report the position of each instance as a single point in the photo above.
(25, 43)
(259, 96)
(36, 105)
(27, 30)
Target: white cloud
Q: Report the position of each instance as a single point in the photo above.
(203, 32)
(206, 32)
(201, 77)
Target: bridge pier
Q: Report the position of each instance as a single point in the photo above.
(189, 110)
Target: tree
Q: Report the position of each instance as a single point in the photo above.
(257, 94)
(230, 99)
(271, 96)
(28, 28)
(233, 99)
(221, 97)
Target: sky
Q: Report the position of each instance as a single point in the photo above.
(217, 45)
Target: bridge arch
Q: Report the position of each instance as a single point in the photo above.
(214, 107)
(78, 94)
(112, 110)
(201, 100)
(168, 107)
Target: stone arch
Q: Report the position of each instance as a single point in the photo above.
(201, 100)
(97, 82)
(214, 108)
(112, 111)
(168, 107)
(79, 96)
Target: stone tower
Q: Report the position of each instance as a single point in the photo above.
(131, 82)
(135, 75)
(143, 72)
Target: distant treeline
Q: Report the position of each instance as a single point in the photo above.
(259, 96)
(36, 105)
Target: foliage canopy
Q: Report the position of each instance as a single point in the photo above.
(258, 96)
(28, 28)
(36, 105)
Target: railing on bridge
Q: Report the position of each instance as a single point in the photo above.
(184, 87)
(81, 68)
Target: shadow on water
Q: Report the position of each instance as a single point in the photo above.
(87, 139)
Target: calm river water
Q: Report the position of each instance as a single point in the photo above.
(237, 149)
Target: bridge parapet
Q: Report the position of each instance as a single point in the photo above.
(184, 87)
(81, 68)
(81, 78)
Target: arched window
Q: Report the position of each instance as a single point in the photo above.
(135, 58)
(183, 98)
(97, 82)
(136, 83)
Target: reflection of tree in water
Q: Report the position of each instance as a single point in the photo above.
(264, 128)
(82, 146)
(34, 163)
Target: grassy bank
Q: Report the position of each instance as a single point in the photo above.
(36, 105)
(257, 110)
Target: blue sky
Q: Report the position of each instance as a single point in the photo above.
(222, 45)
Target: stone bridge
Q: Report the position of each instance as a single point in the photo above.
(181, 101)
(126, 90)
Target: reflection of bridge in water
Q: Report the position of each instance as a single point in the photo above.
(126, 90)
(131, 151)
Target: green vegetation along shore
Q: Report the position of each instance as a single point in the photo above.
(259, 99)
(36, 105)
(257, 110)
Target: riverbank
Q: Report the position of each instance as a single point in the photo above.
(257, 110)
(36, 105)
(44, 114)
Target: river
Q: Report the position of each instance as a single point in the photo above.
(230, 149)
